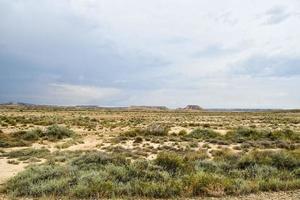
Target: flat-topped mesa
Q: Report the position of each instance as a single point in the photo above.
(192, 107)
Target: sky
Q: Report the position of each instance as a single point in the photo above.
(216, 54)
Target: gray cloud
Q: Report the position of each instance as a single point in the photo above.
(168, 52)
(215, 50)
(265, 66)
(276, 15)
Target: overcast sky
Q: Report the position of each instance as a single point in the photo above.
(229, 53)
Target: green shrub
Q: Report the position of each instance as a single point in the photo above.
(170, 161)
(240, 186)
(26, 138)
(286, 134)
(92, 184)
(32, 135)
(25, 154)
(275, 184)
(225, 155)
(95, 160)
(280, 159)
(195, 155)
(244, 134)
(37, 181)
(166, 189)
(206, 184)
(92, 174)
(296, 172)
(182, 133)
(55, 132)
(203, 134)
(7, 141)
(151, 130)
(138, 140)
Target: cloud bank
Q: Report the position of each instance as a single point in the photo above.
(137, 52)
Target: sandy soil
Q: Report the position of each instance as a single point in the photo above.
(177, 129)
(9, 170)
(90, 143)
(222, 132)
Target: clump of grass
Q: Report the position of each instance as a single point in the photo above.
(151, 130)
(206, 184)
(94, 160)
(182, 132)
(249, 134)
(13, 162)
(138, 140)
(25, 154)
(31, 135)
(40, 180)
(92, 174)
(171, 162)
(203, 134)
(26, 138)
(6, 140)
(68, 143)
(55, 132)
(280, 159)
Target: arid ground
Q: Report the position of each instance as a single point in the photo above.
(82, 153)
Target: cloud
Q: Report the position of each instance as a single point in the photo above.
(67, 94)
(227, 92)
(215, 50)
(168, 52)
(269, 66)
(276, 15)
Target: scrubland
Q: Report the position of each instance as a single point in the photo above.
(72, 153)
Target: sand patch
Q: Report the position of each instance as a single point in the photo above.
(9, 170)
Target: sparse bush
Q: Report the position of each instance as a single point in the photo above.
(95, 160)
(157, 130)
(182, 133)
(180, 170)
(55, 132)
(203, 134)
(37, 181)
(26, 138)
(32, 135)
(152, 130)
(13, 162)
(275, 184)
(97, 175)
(248, 134)
(25, 154)
(138, 140)
(206, 184)
(280, 159)
(170, 161)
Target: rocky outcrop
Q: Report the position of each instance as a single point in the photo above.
(192, 107)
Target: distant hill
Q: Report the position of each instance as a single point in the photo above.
(192, 108)
(16, 104)
(148, 108)
(188, 108)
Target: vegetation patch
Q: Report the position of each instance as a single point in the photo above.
(204, 134)
(151, 130)
(28, 153)
(94, 174)
(249, 137)
(26, 138)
